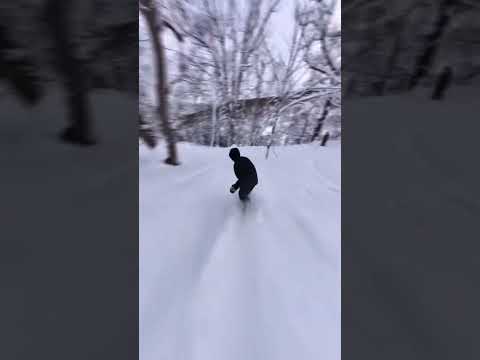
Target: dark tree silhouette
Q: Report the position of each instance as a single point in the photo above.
(443, 82)
(318, 128)
(432, 42)
(325, 138)
(80, 130)
(19, 73)
(155, 26)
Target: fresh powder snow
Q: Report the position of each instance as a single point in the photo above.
(219, 282)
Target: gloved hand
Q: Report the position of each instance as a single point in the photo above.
(232, 189)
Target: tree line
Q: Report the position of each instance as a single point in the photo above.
(428, 44)
(227, 61)
(80, 46)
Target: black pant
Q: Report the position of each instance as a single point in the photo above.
(245, 188)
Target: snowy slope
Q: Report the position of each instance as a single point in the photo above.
(220, 283)
(418, 170)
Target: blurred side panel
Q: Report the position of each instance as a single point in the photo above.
(411, 204)
(69, 179)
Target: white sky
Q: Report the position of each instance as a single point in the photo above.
(282, 23)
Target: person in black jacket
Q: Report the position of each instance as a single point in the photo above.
(245, 172)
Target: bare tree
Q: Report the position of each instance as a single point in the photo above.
(58, 13)
(237, 83)
(155, 23)
(417, 35)
(222, 44)
(321, 42)
(320, 39)
(260, 72)
(426, 57)
(19, 72)
(321, 119)
(285, 76)
(316, 44)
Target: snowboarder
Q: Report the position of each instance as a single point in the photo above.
(245, 172)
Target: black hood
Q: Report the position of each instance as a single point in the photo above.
(234, 154)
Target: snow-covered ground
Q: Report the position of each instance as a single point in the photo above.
(66, 229)
(410, 225)
(220, 283)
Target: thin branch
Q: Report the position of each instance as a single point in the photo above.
(172, 28)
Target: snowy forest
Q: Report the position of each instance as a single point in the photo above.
(413, 44)
(80, 46)
(220, 73)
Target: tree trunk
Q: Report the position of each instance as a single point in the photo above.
(268, 151)
(232, 131)
(392, 58)
(214, 113)
(318, 128)
(426, 58)
(146, 134)
(304, 131)
(155, 28)
(442, 84)
(80, 130)
(21, 73)
(272, 134)
(350, 88)
(325, 139)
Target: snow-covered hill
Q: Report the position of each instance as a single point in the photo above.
(218, 283)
